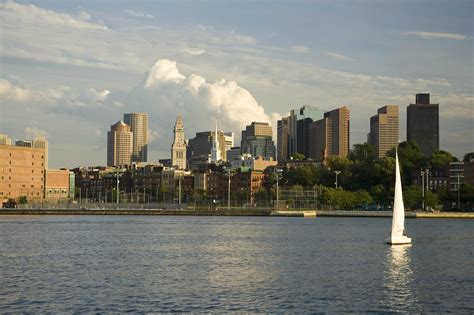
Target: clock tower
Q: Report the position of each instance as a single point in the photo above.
(178, 149)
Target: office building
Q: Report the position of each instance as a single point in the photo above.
(178, 148)
(293, 131)
(215, 150)
(383, 135)
(257, 141)
(138, 123)
(22, 172)
(423, 124)
(119, 145)
(330, 136)
(57, 185)
(282, 139)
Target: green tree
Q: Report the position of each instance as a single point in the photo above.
(363, 152)
(440, 159)
(468, 157)
(431, 200)
(411, 160)
(23, 200)
(412, 197)
(298, 156)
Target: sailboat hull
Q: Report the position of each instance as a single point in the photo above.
(398, 240)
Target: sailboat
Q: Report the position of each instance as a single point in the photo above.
(397, 236)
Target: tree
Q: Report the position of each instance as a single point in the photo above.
(440, 159)
(468, 157)
(362, 152)
(411, 160)
(298, 156)
(412, 197)
(23, 200)
(431, 200)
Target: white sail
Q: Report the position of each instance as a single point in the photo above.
(398, 221)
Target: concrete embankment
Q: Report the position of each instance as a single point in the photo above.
(220, 212)
(238, 212)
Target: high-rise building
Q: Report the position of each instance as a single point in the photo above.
(178, 149)
(330, 136)
(119, 144)
(42, 142)
(423, 124)
(257, 141)
(138, 123)
(296, 129)
(282, 139)
(383, 134)
(229, 140)
(5, 140)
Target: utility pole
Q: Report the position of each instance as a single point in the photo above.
(337, 173)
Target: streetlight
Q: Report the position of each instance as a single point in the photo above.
(337, 173)
(427, 179)
(278, 171)
(422, 190)
(228, 186)
(459, 200)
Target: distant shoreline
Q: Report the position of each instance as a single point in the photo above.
(238, 212)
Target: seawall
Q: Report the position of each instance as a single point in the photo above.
(239, 212)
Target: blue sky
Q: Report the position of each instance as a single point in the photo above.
(70, 69)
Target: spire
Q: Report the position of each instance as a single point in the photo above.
(215, 152)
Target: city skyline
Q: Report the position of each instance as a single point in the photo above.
(210, 68)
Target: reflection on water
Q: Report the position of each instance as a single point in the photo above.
(398, 278)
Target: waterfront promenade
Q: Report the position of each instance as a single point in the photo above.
(234, 212)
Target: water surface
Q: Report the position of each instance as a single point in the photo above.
(251, 264)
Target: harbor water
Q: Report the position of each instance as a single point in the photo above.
(222, 264)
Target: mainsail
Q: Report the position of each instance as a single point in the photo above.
(398, 221)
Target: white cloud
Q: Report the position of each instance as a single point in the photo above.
(338, 56)
(138, 14)
(33, 14)
(300, 49)
(17, 93)
(167, 92)
(33, 132)
(194, 51)
(434, 35)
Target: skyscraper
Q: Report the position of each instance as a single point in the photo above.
(282, 139)
(178, 149)
(138, 123)
(119, 144)
(295, 131)
(383, 133)
(330, 136)
(423, 124)
(257, 141)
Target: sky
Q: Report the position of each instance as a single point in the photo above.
(71, 69)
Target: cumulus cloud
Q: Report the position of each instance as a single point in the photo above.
(338, 56)
(434, 35)
(167, 92)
